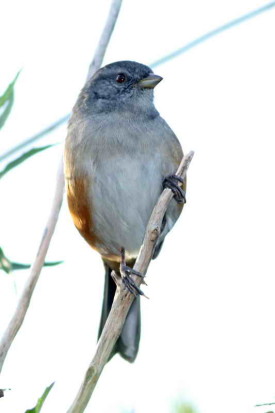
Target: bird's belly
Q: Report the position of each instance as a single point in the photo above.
(111, 209)
(123, 200)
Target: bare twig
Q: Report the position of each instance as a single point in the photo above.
(124, 299)
(25, 298)
(105, 37)
(24, 301)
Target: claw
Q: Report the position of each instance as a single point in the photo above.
(126, 273)
(177, 178)
(131, 286)
(171, 182)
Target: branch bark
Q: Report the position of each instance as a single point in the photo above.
(24, 301)
(123, 299)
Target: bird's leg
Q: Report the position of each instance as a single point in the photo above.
(172, 182)
(126, 273)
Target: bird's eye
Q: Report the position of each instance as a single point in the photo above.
(121, 77)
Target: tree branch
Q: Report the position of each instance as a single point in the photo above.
(123, 299)
(24, 301)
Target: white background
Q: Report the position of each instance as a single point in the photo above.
(208, 328)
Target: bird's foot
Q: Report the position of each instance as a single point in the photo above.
(173, 182)
(126, 275)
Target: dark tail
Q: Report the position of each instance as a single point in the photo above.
(128, 342)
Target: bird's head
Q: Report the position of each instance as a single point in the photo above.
(124, 85)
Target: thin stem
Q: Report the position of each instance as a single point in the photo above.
(213, 33)
(264, 404)
(34, 138)
(24, 301)
(105, 37)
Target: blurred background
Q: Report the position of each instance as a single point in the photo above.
(207, 329)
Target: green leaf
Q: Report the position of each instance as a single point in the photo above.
(19, 266)
(7, 92)
(7, 99)
(22, 158)
(8, 266)
(40, 401)
(5, 263)
(52, 264)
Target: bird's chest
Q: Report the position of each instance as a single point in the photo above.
(123, 163)
(112, 196)
(123, 194)
(115, 181)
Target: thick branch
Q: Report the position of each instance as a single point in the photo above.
(24, 301)
(124, 299)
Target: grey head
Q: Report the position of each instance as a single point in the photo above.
(120, 86)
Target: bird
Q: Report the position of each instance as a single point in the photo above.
(119, 155)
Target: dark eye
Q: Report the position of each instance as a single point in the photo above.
(121, 77)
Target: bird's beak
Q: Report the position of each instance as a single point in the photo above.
(150, 81)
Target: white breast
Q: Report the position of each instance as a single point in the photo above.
(123, 193)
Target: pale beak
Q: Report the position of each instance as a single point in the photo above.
(150, 81)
